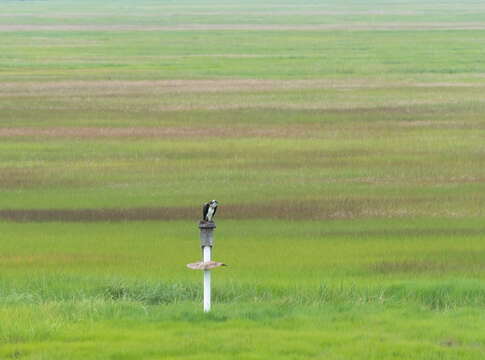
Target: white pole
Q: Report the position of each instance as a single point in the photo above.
(207, 279)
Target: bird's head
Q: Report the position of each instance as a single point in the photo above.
(214, 203)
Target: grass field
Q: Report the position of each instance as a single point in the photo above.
(345, 141)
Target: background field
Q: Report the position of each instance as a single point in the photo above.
(345, 141)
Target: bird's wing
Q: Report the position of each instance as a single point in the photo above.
(215, 209)
(204, 210)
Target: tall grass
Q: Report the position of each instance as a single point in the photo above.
(446, 295)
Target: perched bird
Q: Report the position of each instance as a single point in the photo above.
(205, 265)
(209, 210)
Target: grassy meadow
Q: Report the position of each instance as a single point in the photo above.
(345, 141)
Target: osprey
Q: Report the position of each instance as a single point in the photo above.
(209, 210)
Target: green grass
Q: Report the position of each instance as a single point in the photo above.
(126, 331)
(122, 290)
(398, 55)
(409, 288)
(349, 164)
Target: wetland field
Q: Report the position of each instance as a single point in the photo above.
(344, 140)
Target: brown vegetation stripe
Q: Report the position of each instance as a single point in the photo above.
(381, 26)
(160, 213)
(311, 106)
(308, 130)
(117, 87)
(417, 267)
(282, 210)
(236, 12)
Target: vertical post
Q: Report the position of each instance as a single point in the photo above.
(207, 278)
(206, 242)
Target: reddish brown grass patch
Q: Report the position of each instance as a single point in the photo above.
(51, 258)
(282, 210)
(309, 130)
(410, 266)
(381, 26)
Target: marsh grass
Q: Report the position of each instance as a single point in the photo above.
(328, 264)
(349, 166)
(447, 295)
